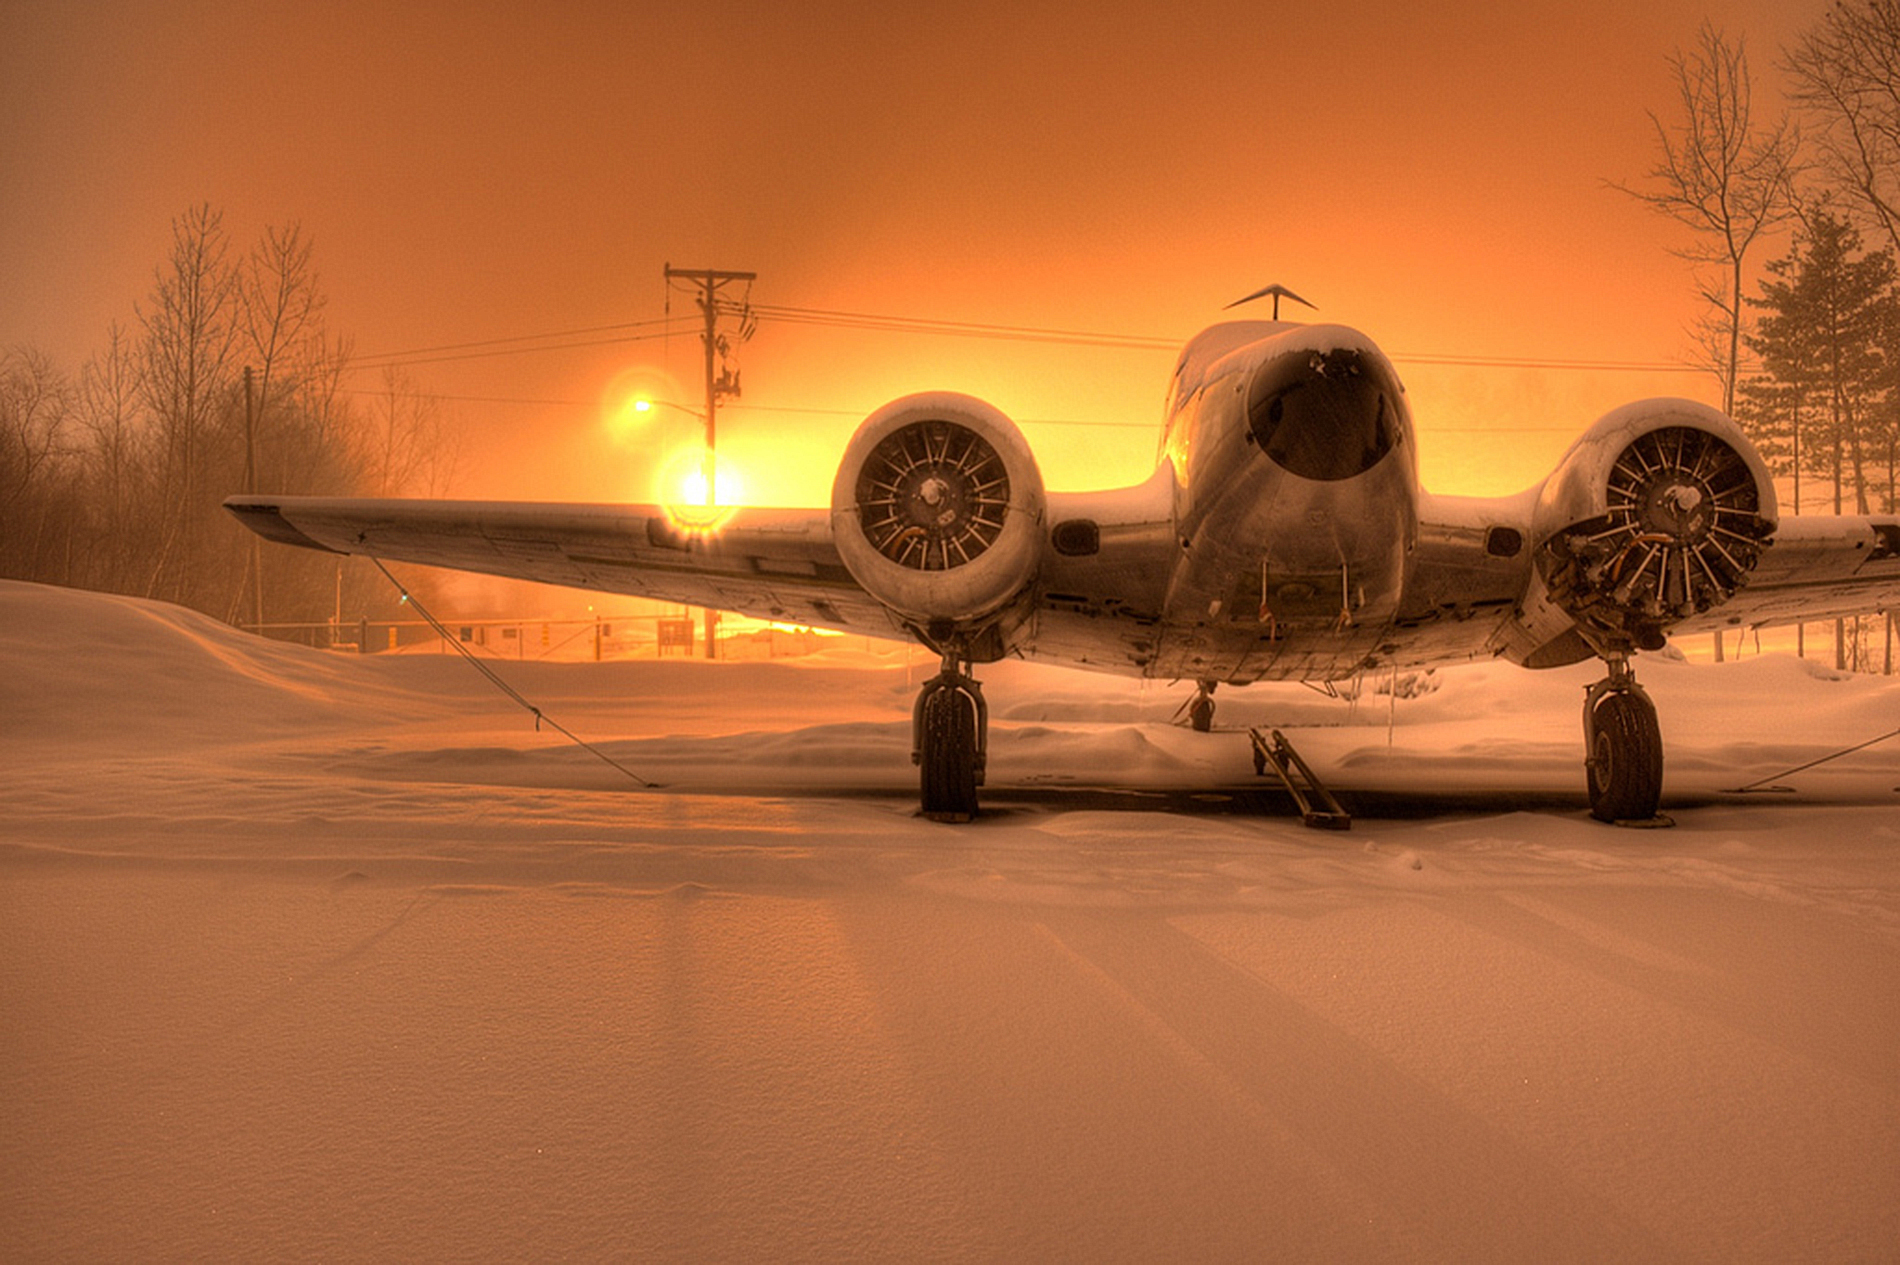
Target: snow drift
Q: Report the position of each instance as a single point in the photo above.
(333, 957)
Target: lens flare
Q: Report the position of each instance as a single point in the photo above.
(636, 400)
(681, 489)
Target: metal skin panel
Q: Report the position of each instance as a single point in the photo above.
(1226, 565)
(1282, 574)
(1817, 568)
(770, 564)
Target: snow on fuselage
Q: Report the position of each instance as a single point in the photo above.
(1295, 502)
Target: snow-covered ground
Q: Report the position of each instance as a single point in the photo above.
(307, 956)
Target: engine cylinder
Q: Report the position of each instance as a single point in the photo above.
(1657, 514)
(937, 510)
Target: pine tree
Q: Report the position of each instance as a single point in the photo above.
(1826, 388)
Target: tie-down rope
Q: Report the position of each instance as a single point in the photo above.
(539, 715)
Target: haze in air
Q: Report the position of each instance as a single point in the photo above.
(338, 957)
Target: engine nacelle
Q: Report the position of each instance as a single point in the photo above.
(1656, 514)
(937, 510)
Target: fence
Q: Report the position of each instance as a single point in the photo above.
(618, 637)
(1856, 643)
(1867, 644)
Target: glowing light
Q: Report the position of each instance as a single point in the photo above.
(681, 491)
(631, 404)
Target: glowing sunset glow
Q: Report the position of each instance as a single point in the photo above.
(1434, 177)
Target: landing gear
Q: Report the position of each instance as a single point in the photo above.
(1623, 755)
(1200, 708)
(949, 742)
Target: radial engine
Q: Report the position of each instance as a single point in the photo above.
(1658, 513)
(937, 510)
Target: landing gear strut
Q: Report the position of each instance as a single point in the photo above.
(1200, 708)
(1623, 755)
(950, 742)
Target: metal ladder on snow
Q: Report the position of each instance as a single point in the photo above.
(1275, 752)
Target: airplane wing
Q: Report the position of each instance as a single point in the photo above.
(768, 563)
(1466, 589)
(1817, 568)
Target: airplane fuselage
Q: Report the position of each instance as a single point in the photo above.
(1282, 536)
(1295, 488)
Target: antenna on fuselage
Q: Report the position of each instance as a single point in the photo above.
(1278, 292)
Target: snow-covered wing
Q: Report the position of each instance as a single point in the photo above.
(1104, 576)
(1817, 568)
(768, 563)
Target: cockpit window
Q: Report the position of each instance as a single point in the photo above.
(1324, 415)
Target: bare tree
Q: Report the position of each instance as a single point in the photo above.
(281, 313)
(116, 443)
(190, 333)
(281, 309)
(408, 448)
(1846, 73)
(1727, 180)
(36, 402)
(115, 481)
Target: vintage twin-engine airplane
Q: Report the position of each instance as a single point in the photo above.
(1282, 536)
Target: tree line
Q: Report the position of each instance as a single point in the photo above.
(228, 379)
(1805, 344)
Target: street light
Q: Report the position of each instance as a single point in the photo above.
(646, 404)
(687, 493)
(704, 488)
(708, 466)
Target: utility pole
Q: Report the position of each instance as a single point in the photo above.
(706, 283)
(250, 486)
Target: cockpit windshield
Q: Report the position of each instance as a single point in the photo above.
(1324, 415)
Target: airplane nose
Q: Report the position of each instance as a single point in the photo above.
(1323, 415)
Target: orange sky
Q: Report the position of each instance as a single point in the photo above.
(1430, 174)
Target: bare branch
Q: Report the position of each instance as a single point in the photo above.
(1720, 176)
(1846, 73)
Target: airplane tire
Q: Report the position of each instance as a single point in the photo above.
(1201, 713)
(948, 756)
(1626, 759)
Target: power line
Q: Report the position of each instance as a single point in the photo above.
(1527, 362)
(481, 399)
(969, 329)
(390, 362)
(859, 414)
(521, 338)
(825, 318)
(962, 329)
(796, 410)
